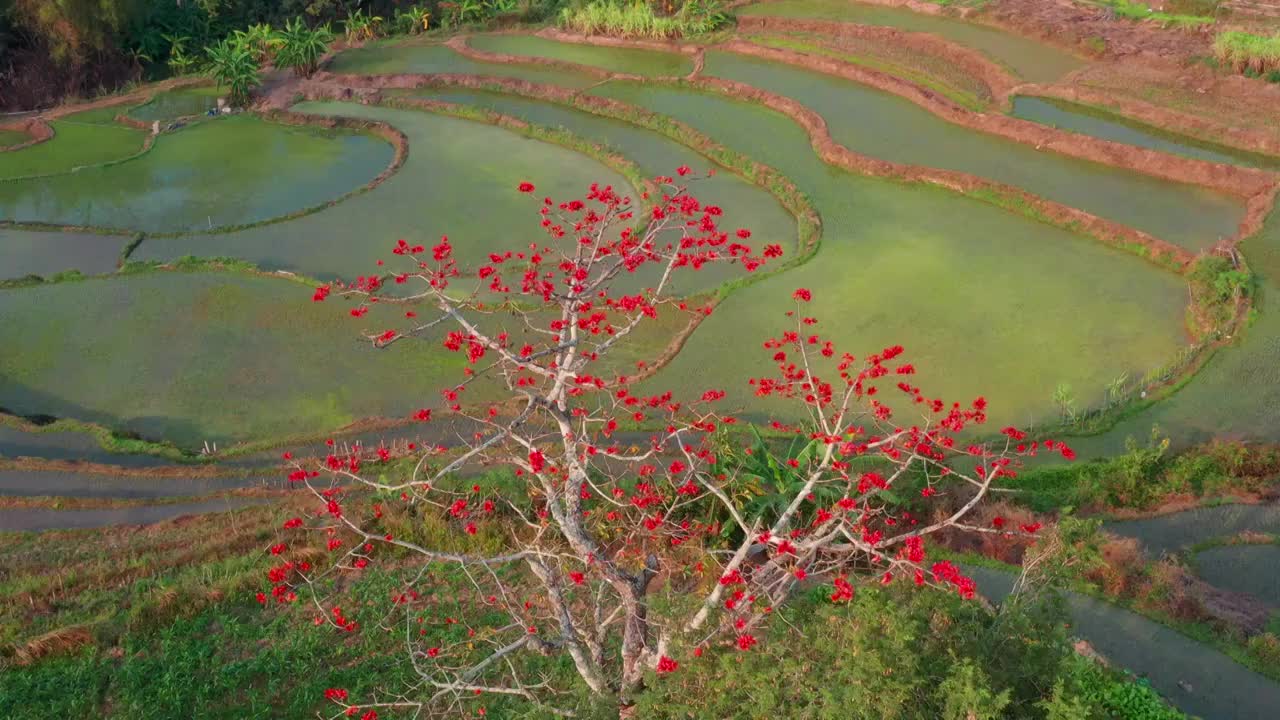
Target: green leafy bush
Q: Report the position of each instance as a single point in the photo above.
(301, 47)
(898, 654)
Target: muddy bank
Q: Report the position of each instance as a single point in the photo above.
(992, 74)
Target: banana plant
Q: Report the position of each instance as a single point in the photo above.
(260, 39)
(500, 7)
(413, 20)
(233, 65)
(301, 47)
(361, 27)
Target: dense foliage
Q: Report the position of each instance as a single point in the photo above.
(78, 47)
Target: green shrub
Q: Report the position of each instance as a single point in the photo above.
(301, 47)
(1247, 52)
(1265, 647)
(900, 654)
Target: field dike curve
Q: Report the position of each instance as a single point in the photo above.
(397, 140)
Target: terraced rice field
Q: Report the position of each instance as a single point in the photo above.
(1034, 61)
(12, 137)
(228, 171)
(988, 299)
(648, 63)
(460, 188)
(78, 141)
(891, 128)
(27, 252)
(427, 58)
(1102, 124)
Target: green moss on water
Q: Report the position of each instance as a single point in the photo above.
(746, 204)
(464, 187)
(985, 302)
(168, 106)
(203, 356)
(1236, 395)
(75, 144)
(12, 137)
(224, 357)
(227, 171)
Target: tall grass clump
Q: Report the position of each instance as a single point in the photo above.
(1248, 53)
(638, 19)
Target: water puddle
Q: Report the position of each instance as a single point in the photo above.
(68, 445)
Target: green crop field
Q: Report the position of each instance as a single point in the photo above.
(228, 171)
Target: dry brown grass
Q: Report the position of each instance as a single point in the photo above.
(1168, 590)
(1123, 562)
(57, 642)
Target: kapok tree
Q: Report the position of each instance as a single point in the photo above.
(628, 561)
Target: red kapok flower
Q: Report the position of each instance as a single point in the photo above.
(802, 294)
(526, 187)
(667, 665)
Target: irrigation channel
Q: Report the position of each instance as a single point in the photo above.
(1001, 246)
